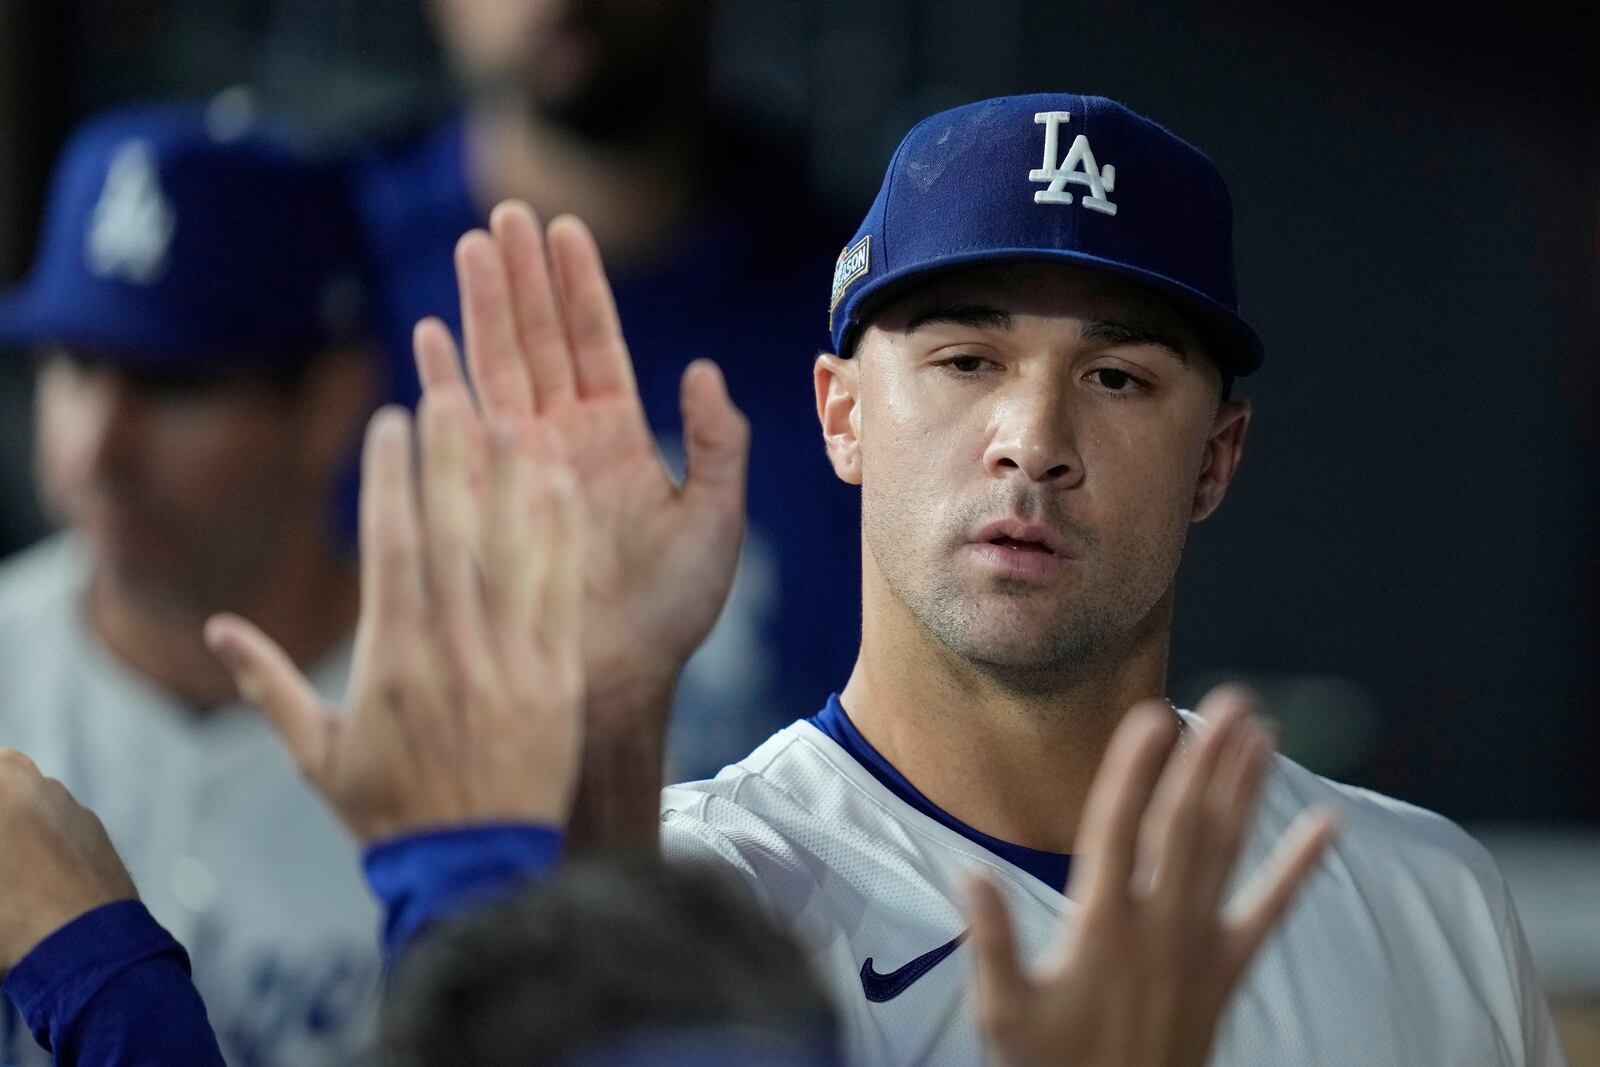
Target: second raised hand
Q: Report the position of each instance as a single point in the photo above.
(545, 355)
(465, 694)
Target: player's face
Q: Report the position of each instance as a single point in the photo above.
(179, 488)
(571, 55)
(1032, 443)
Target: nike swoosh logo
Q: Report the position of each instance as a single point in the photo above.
(882, 987)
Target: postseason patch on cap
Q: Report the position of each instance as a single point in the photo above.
(853, 262)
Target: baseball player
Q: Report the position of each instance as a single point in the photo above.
(1035, 338)
(202, 379)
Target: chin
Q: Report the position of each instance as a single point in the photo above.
(1009, 647)
(1028, 637)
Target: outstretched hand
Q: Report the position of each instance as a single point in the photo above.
(545, 353)
(56, 862)
(544, 348)
(466, 691)
(1142, 977)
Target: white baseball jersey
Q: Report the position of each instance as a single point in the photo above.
(1402, 950)
(230, 848)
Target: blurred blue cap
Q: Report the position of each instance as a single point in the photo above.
(191, 238)
(1055, 177)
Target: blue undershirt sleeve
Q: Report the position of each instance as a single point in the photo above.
(111, 988)
(421, 878)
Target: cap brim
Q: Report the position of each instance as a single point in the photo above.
(1229, 340)
(19, 320)
(30, 319)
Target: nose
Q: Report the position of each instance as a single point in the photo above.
(1033, 438)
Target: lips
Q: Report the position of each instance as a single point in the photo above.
(1017, 535)
(1018, 550)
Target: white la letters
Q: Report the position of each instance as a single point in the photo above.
(133, 220)
(1078, 167)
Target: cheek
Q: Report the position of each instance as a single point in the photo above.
(63, 446)
(205, 456)
(1142, 481)
(916, 455)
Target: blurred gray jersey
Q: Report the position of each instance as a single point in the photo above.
(1403, 949)
(231, 850)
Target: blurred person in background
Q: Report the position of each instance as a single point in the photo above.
(617, 960)
(603, 109)
(196, 312)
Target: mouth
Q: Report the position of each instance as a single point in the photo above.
(1021, 550)
(1014, 535)
(1015, 545)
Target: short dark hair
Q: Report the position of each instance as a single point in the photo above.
(609, 948)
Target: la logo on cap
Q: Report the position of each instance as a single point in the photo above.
(1078, 168)
(131, 228)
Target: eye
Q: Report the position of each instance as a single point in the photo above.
(1117, 380)
(965, 365)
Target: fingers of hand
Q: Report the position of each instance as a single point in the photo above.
(1265, 900)
(452, 525)
(488, 319)
(1002, 985)
(1229, 807)
(1180, 832)
(533, 299)
(438, 362)
(510, 540)
(716, 434)
(391, 564)
(269, 679)
(1117, 801)
(16, 762)
(593, 330)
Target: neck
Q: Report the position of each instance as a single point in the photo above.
(307, 604)
(635, 194)
(1012, 762)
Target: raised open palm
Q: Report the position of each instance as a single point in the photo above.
(546, 358)
(546, 355)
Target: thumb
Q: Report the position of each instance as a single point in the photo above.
(268, 678)
(716, 437)
(1000, 984)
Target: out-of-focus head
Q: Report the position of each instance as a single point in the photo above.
(612, 962)
(593, 65)
(1035, 328)
(196, 307)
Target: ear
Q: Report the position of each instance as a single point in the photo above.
(838, 386)
(1224, 452)
(339, 393)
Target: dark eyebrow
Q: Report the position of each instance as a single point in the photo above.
(977, 316)
(1122, 332)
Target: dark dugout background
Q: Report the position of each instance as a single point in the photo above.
(1407, 564)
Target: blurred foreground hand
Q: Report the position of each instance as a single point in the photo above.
(545, 352)
(56, 862)
(1154, 951)
(466, 693)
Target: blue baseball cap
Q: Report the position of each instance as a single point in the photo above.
(1059, 178)
(191, 238)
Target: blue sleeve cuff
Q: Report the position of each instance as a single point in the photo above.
(423, 877)
(116, 944)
